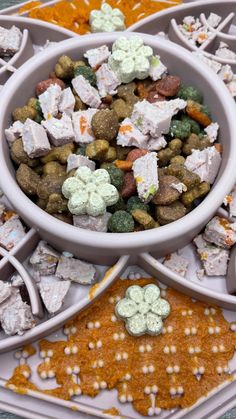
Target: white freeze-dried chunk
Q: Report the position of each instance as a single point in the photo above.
(213, 20)
(231, 86)
(60, 131)
(232, 203)
(155, 144)
(75, 160)
(176, 263)
(129, 135)
(82, 126)
(220, 232)
(146, 176)
(214, 65)
(225, 52)
(17, 318)
(150, 119)
(89, 222)
(44, 259)
(10, 40)
(53, 292)
(87, 93)
(14, 131)
(180, 187)
(67, 101)
(107, 81)
(49, 101)
(35, 140)
(204, 163)
(212, 131)
(213, 258)
(75, 270)
(226, 73)
(5, 291)
(11, 233)
(157, 68)
(171, 106)
(97, 56)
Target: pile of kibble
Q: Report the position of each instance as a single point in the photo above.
(101, 177)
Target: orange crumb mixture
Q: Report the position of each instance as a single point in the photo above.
(190, 355)
(74, 15)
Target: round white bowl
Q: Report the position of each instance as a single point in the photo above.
(105, 247)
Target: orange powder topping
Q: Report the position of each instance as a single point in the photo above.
(172, 370)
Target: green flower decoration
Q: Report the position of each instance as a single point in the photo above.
(89, 192)
(106, 19)
(130, 59)
(142, 309)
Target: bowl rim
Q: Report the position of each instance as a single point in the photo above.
(118, 241)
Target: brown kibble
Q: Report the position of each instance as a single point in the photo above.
(105, 124)
(107, 99)
(110, 155)
(79, 105)
(122, 109)
(126, 92)
(129, 185)
(56, 204)
(21, 114)
(153, 97)
(66, 218)
(168, 86)
(193, 110)
(97, 150)
(42, 203)
(59, 154)
(122, 152)
(144, 87)
(19, 155)
(143, 218)
(53, 168)
(168, 214)
(124, 165)
(49, 185)
(44, 84)
(197, 192)
(193, 142)
(135, 154)
(27, 179)
(166, 194)
(177, 160)
(190, 179)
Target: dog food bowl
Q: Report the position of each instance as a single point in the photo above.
(106, 247)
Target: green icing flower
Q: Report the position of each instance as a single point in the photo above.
(130, 58)
(142, 309)
(89, 192)
(106, 19)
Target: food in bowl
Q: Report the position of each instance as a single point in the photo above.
(115, 143)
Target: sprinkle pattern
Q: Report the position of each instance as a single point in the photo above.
(168, 371)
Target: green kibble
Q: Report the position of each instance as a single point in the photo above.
(119, 206)
(206, 110)
(121, 222)
(195, 127)
(190, 93)
(116, 176)
(180, 129)
(87, 73)
(134, 203)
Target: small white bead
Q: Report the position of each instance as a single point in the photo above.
(113, 318)
(99, 344)
(91, 345)
(172, 391)
(221, 348)
(169, 369)
(115, 336)
(129, 398)
(78, 391)
(69, 370)
(71, 392)
(127, 376)
(43, 375)
(42, 354)
(111, 300)
(73, 330)
(67, 350)
(219, 370)
(163, 293)
(190, 312)
(173, 349)
(148, 348)
(118, 357)
(194, 331)
(184, 313)
(217, 329)
(154, 389)
(206, 311)
(187, 331)
(180, 390)
(74, 349)
(122, 398)
(97, 325)
(151, 411)
(210, 330)
(51, 374)
(214, 349)
(166, 350)
(26, 374)
(122, 336)
(25, 354)
(197, 349)
(191, 350)
(18, 355)
(233, 326)
(50, 353)
(76, 369)
(90, 325)
(195, 371)
(66, 331)
(163, 331)
(145, 369)
(176, 368)
(141, 349)
(137, 275)
(147, 390)
(151, 368)
(95, 385)
(213, 311)
(226, 369)
(103, 384)
(169, 329)
(201, 370)
(157, 411)
(100, 363)
(125, 355)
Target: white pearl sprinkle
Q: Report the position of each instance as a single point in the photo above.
(194, 331)
(42, 354)
(219, 370)
(163, 293)
(78, 391)
(18, 355)
(43, 375)
(71, 392)
(184, 313)
(145, 369)
(169, 329)
(97, 325)
(180, 390)
(113, 318)
(115, 336)
(122, 336)
(169, 370)
(233, 326)
(26, 374)
(213, 311)
(197, 349)
(187, 331)
(149, 348)
(118, 357)
(67, 350)
(96, 385)
(111, 300)
(103, 384)
(191, 350)
(25, 354)
(190, 312)
(163, 331)
(129, 398)
(210, 330)
(176, 368)
(151, 368)
(122, 398)
(127, 376)
(125, 355)
(66, 331)
(226, 369)
(69, 370)
(201, 370)
(50, 353)
(141, 349)
(100, 363)
(51, 374)
(90, 325)
(172, 391)
(91, 345)
(214, 349)
(76, 369)
(221, 348)
(173, 349)
(99, 344)
(74, 349)
(73, 330)
(147, 390)
(217, 329)
(154, 389)
(206, 311)
(166, 350)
